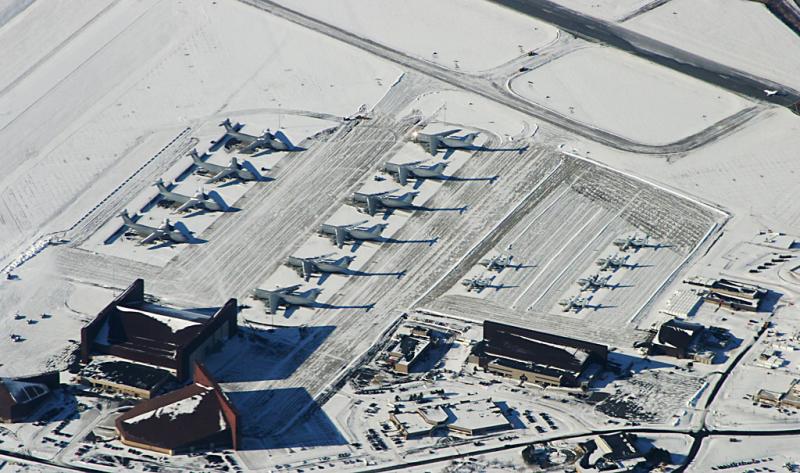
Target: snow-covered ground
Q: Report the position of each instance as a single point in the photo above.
(739, 33)
(483, 35)
(628, 96)
(742, 454)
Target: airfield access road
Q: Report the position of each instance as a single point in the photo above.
(596, 30)
(498, 92)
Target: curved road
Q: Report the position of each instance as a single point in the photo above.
(498, 92)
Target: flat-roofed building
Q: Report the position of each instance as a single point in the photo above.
(533, 356)
(136, 379)
(132, 329)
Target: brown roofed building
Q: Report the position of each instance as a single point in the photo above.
(533, 356)
(19, 397)
(132, 329)
(196, 417)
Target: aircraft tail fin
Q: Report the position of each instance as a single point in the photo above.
(227, 124)
(161, 186)
(280, 136)
(214, 195)
(195, 156)
(126, 217)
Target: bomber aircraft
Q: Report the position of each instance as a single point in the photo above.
(166, 232)
(211, 202)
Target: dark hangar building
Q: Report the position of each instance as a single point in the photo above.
(533, 356)
(132, 329)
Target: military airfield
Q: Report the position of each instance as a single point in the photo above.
(405, 201)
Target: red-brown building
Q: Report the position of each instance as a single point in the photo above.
(194, 418)
(132, 329)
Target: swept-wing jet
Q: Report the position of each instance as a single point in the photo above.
(234, 170)
(165, 232)
(575, 303)
(593, 282)
(433, 142)
(415, 170)
(211, 202)
(612, 262)
(287, 297)
(356, 231)
(385, 200)
(477, 284)
(307, 267)
(247, 144)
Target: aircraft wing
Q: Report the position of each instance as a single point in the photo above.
(442, 134)
(252, 147)
(274, 303)
(433, 145)
(402, 175)
(152, 237)
(188, 205)
(221, 175)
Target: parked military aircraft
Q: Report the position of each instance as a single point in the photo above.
(234, 170)
(307, 267)
(248, 144)
(477, 284)
(211, 202)
(433, 142)
(500, 262)
(575, 303)
(287, 297)
(593, 282)
(636, 243)
(355, 231)
(416, 170)
(165, 232)
(385, 200)
(612, 262)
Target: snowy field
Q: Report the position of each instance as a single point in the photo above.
(631, 97)
(487, 35)
(738, 33)
(743, 454)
